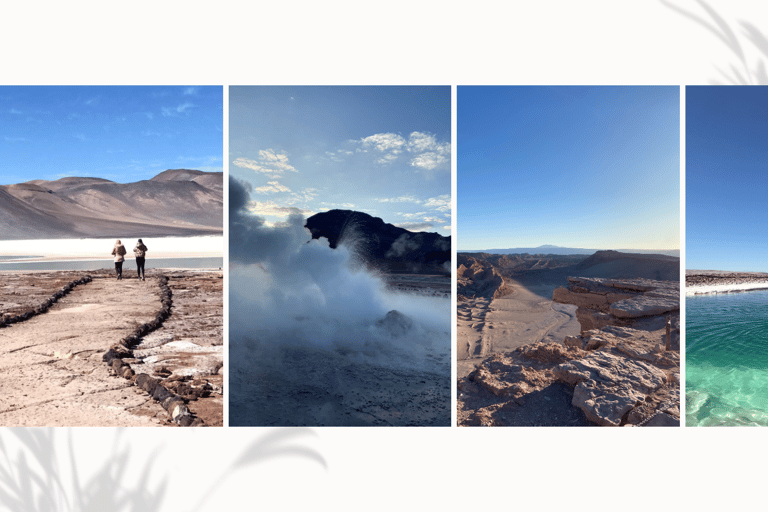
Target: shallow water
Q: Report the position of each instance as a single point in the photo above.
(727, 359)
(128, 265)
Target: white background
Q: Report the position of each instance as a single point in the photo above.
(403, 43)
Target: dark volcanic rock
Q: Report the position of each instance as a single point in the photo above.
(381, 243)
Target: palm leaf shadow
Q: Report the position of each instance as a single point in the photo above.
(274, 444)
(40, 488)
(741, 75)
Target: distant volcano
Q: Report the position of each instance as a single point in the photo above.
(177, 202)
(385, 245)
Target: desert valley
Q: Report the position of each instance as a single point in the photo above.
(568, 339)
(82, 348)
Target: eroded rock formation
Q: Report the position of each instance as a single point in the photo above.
(480, 280)
(622, 370)
(638, 303)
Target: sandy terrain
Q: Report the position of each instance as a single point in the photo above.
(51, 365)
(533, 353)
(525, 315)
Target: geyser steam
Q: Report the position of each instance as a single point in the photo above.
(301, 311)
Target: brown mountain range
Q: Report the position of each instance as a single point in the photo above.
(177, 202)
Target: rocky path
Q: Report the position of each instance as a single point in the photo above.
(51, 368)
(522, 316)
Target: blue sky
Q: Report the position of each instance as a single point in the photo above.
(385, 151)
(588, 167)
(726, 178)
(123, 134)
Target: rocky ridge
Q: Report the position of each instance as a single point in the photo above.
(384, 245)
(622, 370)
(479, 280)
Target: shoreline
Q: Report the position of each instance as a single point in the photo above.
(691, 291)
(721, 282)
(57, 258)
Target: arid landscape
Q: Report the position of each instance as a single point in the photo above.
(176, 202)
(538, 346)
(81, 348)
(69, 339)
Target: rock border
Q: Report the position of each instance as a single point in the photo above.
(46, 304)
(173, 404)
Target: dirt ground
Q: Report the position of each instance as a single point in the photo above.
(524, 316)
(51, 367)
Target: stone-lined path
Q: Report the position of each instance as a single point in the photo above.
(51, 367)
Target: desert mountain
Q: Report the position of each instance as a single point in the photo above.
(384, 245)
(554, 249)
(178, 202)
(604, 264)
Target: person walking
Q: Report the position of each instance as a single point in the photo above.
(118, 251)
(140, 251)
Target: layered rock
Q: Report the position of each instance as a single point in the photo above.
(480, 280)
(622, 370)
(639, 303)
(619, 376)
(623, 324)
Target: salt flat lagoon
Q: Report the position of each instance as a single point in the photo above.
(727, 359)
(94, 253)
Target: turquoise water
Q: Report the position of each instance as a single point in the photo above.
(726, 372)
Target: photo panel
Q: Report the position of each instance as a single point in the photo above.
(111, 256)
(340, 256)
(568, 264)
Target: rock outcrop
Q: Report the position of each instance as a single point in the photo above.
(622, 370)
(480, 280)
(638, 303)
(383, 244)
(623, 324)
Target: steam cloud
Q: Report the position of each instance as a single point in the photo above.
(302, 315)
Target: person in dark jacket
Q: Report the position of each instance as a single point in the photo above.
(118, 251)
(140, 251)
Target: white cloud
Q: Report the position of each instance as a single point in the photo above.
(306, 194)
(272, 209)
(416, 226)
(337, 205)
(427, 153)
(385, 142)
(440, 203)
(401, 199)
(271, 188)
(333, 156)
(269, 162)
(411, 215)
(429, 161)
(174, 111)
(15, 139)
(189, 91)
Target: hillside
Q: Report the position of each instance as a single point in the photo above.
(382, 244)
(175, 202)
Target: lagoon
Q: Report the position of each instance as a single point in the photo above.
(727, 359)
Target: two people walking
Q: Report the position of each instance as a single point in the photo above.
(118, 251)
